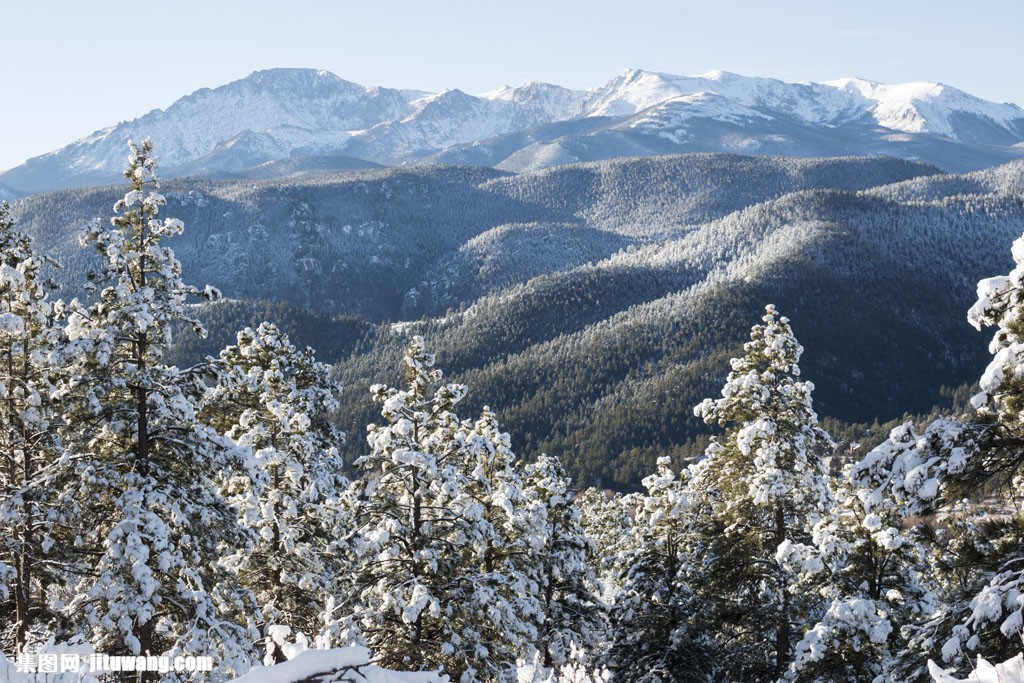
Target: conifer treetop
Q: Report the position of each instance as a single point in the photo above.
(141, 278)
(769, 418)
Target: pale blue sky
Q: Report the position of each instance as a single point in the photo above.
(73, 66)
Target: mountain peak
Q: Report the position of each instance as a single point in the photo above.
(718, 75)
(505, 92)
(295, 77)
(508, 92)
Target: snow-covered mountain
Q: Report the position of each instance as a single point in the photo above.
(295, 114)
(267, 116)
(909, 107)
(939, 109)
(638, 90)
(453, 117)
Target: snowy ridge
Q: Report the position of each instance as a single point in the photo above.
(637, 90)
(313, 103)
(290, 113)
(1010, 671)
(348, 664)
(353, 663)
(453, 117)
(552, 101)
(925, 107)
(909, 107)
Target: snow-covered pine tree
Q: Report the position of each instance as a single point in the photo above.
(574, 619)
(980, 560)
(607, 518)
(877, 577)
(141, 466)
(759, 491)
(901, 478)
(29, 339)
(506, 589)
(657, 634)
(996, 463)
(419, 603)
(276, 400)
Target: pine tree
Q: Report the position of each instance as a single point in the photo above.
(657, 635)
(607, 519)
(979, 560)
(276, 401)
(574, 618)
(995, 460)
(758, 493)
(29, 340)
(140, 475)
(506, 588)
(900, 479)
(424, 599)
(877, 577)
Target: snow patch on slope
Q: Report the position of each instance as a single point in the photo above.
(924, 107)
(637, 90)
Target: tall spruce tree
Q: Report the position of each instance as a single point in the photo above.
(431, 587)
(29, 341)
(759, 491)
(141, 467)
(276, 400)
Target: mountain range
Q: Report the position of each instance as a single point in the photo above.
(283, 123)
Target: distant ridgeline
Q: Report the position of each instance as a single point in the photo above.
(592, 305)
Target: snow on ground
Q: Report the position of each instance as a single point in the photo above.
(1010, 671)
(354, 659)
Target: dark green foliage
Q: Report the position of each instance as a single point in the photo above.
(333, 336)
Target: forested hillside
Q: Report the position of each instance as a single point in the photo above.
(591, 305)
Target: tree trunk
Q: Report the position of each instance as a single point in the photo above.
(147, 645)
(23, 583)
(23, 555)
(782, 644)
